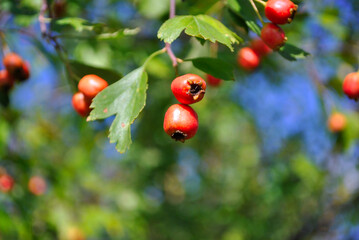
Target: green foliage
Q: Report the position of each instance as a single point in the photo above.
(292, 53)
(215, 67)
(126, 99)
(245, 10)
(201, 26)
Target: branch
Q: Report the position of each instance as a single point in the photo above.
(168, 46)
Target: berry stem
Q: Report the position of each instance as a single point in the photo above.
(261, 2)
(257, 12)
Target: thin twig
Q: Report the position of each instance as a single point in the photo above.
(168, 45)
(261, 2)
(257, 12)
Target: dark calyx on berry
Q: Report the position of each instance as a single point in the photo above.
(196, 89)
(179, 136)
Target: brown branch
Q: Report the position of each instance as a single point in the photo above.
(168, 45)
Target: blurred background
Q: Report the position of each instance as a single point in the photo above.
(263, 164)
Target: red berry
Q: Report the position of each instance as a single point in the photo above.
(91, 85)
(13, 63)
(6, 183)
(189, 88)
(81, 104)
(260, 47)
(273, 36)
(351, 85)
(181, 122)
(280, 11)
(24, 74)
(248, 59)
(6, 81)
(213, 81)
(37, 185)
(337, 122)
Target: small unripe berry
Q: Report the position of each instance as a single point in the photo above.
(75, 233)
(280, 11)
(213, 81)
(13, 63)
(337, 122)
(6, 81)
(37, 185)
(260, 47)
(248, 59)
(91, 85)
(273, 36)
(351, 85)
(6, 183)
(81, 104)
(181, 122)
(189, 88)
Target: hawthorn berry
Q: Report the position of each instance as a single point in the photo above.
(280, 11)
(6, 183)
(337, 122)
(6, 81)
(13, 63)
(260, 47)
(37, 185)
(248, 59)
(91, 85)
(189, 88)
(213, 81)
(81, 104)
(351, 85)
(181, 122)
(273, 36)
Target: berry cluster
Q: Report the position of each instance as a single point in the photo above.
(181, 121)
(89, 86)
(36, 185)
(16, 69)
(272, 36)
(278, 12)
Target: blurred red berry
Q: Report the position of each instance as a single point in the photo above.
(37, 185)
(213, 81)
(273, 36)
(351, 85)
(248, 59)
(6, 183)
(91, 85)
(81, 104)
(260, 47)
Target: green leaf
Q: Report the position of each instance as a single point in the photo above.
(81, 28)
(201, 26)
(292, 53)
(215, 67)
(81, 70)
(244, 9)
(125, 99)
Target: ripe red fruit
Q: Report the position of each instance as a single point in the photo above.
(280, 11)
(260, 48)
(273, 36)
(37, 185)
(81, 104)
(24, 74)
(351, 85)
(248, 59)
(213, 81)
(6, 183)
(337, 122)
(6, 81)
(91, 85)
(13, 63)
(181, 122)
(189, 88)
